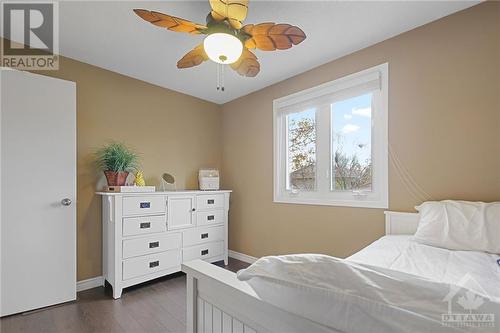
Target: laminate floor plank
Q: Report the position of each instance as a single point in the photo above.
(69, 318)
(173, 306)
(117, 313)
(142, 311)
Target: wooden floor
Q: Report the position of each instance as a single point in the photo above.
(156, 306)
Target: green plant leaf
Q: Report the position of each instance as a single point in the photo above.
(117, 157)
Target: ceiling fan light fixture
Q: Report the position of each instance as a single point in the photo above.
(227, 40)
(223, 48)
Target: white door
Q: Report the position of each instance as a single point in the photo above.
(181, 211)
(38, 191)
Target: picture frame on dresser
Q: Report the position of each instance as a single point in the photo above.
(149, 235)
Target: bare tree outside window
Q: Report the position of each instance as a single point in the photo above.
(302, 151)
(350, 173)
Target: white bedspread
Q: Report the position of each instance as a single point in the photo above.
(399, 252)
(394, 285)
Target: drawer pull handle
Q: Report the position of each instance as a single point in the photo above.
(145, 225)
(205, 235)
(204, 252)
(211, 217)
(210, 201)
(154, 264)
(145, 205)
(152, 245)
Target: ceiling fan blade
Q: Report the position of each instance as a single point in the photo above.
(169, 22)
(270, 36)
(234, 11)
(247, 64)
(193, 58)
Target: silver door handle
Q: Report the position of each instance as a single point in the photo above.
(66, 202)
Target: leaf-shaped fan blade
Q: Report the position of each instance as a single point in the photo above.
(193, 57)
(169, 22)
(247, 64)
(271, 36)
(234, 10)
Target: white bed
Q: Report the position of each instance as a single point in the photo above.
(219, 302)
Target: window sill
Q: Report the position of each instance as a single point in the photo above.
(361, 203)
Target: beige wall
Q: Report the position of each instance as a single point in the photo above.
(172, 132)
(444, 136)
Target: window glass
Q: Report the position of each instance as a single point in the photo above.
(351, 133)
(301, 141)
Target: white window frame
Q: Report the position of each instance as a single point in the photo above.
(328, 93)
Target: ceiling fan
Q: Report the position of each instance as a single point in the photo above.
(228, 41)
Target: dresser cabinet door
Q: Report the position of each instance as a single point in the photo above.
(181, 212)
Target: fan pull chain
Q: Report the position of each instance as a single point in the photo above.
(220, 77)
(222, 67)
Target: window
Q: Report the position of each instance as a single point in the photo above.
(330, 143)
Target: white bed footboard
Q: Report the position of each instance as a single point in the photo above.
(399, 223)
(218, 302)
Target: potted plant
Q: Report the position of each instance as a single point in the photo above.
(116, 160)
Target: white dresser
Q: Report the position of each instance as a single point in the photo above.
(148, 235)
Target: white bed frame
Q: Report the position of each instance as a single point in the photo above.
(218, 302)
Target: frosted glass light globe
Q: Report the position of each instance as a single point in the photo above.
(223, 48)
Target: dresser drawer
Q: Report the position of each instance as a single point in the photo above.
(143, 225)
(141, 205)
(202, 235)
(209, 201)
(150, 264)
(204, 251)
(210, 217)
(152, 244)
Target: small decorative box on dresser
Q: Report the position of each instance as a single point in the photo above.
(148, 235)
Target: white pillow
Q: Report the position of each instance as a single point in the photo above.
(460, 225)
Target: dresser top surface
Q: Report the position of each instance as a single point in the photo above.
(163, 192)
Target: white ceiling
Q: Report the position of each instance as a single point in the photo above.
(110, 35)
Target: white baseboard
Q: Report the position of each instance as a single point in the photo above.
(243, 257)
(95, 282)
